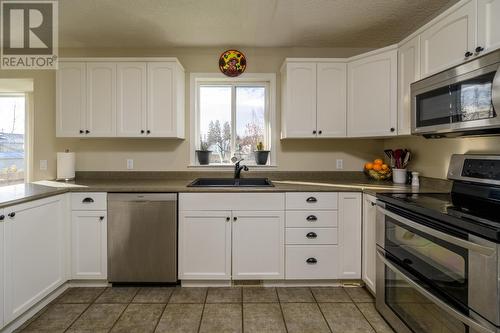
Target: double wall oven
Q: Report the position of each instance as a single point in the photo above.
(438, 261)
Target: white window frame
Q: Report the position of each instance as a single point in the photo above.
(247, 79)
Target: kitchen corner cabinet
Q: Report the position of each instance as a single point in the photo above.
(408, 72)
(34, 246)
(313, 99)
(121, 97)
(350, 220)
(372, 94)
(449, 40)
(369, 241)
(488, 24)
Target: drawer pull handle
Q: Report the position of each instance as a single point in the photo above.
(311, 218)
(311, 235)
(312, 261)
(311, 199)
(11, 214)
(101, 218)
(87, 200)
(2, 217)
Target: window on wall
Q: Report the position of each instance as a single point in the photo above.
(12, 139)
(232, 118)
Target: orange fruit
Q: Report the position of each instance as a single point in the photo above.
(378, 161)
(385, 167)
(368, 166)
(377, 167)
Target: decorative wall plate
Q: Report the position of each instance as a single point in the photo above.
(232, 63)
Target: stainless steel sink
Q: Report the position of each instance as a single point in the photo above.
(231, 182)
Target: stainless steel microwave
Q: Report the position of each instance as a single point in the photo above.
(463, 100)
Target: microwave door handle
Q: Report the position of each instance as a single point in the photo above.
(495, 91)
(477, 327)
(488, 251)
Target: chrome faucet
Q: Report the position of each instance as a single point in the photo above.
(238, 168)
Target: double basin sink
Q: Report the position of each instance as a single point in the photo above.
(231, 182)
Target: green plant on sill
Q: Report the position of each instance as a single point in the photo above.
(204, 145)
(260, 146)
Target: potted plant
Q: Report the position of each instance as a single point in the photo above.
(203, 153)
(261, 155)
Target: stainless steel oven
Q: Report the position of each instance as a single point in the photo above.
(464, 100)
(435, 279)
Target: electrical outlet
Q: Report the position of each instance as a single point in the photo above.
(43, 165)
(340, 164)
(130, 164)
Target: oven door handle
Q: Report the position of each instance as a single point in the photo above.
(495, 91)
(476, 326)
(488, 251)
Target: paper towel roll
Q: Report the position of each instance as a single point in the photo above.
(65, 166)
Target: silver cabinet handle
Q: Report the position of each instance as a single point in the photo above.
(445, 307)
(488, 251)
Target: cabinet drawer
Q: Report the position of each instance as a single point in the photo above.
(88, 201)
(308, 219)
(311, 236)
(322, 262)
(231, 201)
(311, 200)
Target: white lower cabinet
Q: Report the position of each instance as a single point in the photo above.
(311, 262)
(369, 241)
(204, 245)
(89, 245)
(258, 245)
(34, 234)
(350, 235)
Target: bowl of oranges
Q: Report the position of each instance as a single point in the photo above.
(378, 170)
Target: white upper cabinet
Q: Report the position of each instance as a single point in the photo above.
(450, 40)
(34, 253)
(267, 231)
(128, 97)
(331, 103)
(101, 99)
(131, 99)
(488, 25)
(372, 94)
(71, 99)
(165, 115)
(408, 72)
(298, 100)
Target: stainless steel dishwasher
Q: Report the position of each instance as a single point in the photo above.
(142, 237)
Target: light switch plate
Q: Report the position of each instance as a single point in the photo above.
(43, 165)
(340, 164)
(130, 164)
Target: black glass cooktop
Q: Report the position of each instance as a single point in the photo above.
(449, 210)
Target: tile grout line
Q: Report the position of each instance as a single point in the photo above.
(281, 308)
(203, 311)
(320, 310)
(88, 306)
(163, 311)
(242, 313)
(368, 321)
(123, 311)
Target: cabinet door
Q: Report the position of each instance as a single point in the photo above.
(258, 245)
(373, 95)
(299, 104)
(331, 100)
(70, 99)
(101, 99)
(350, 235)
(369, 241)
(445, 43)
(2, 268)
(88, 245)
(409, 72)
(488, 24)
(162, 111)
(34, 252)
(131, 99)
(205, 245)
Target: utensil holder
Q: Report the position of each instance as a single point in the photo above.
(399, 176)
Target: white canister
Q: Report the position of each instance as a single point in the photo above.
(415, 182)
(66, 166)
(399, 176)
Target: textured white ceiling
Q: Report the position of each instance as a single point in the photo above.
(245, 23)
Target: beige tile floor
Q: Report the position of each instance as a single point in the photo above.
(175, 309)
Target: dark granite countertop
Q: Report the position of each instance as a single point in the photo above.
(177, 182)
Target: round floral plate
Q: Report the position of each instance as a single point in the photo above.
(232, 63)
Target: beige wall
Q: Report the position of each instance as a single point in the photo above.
(431, 156)
(165, 155)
